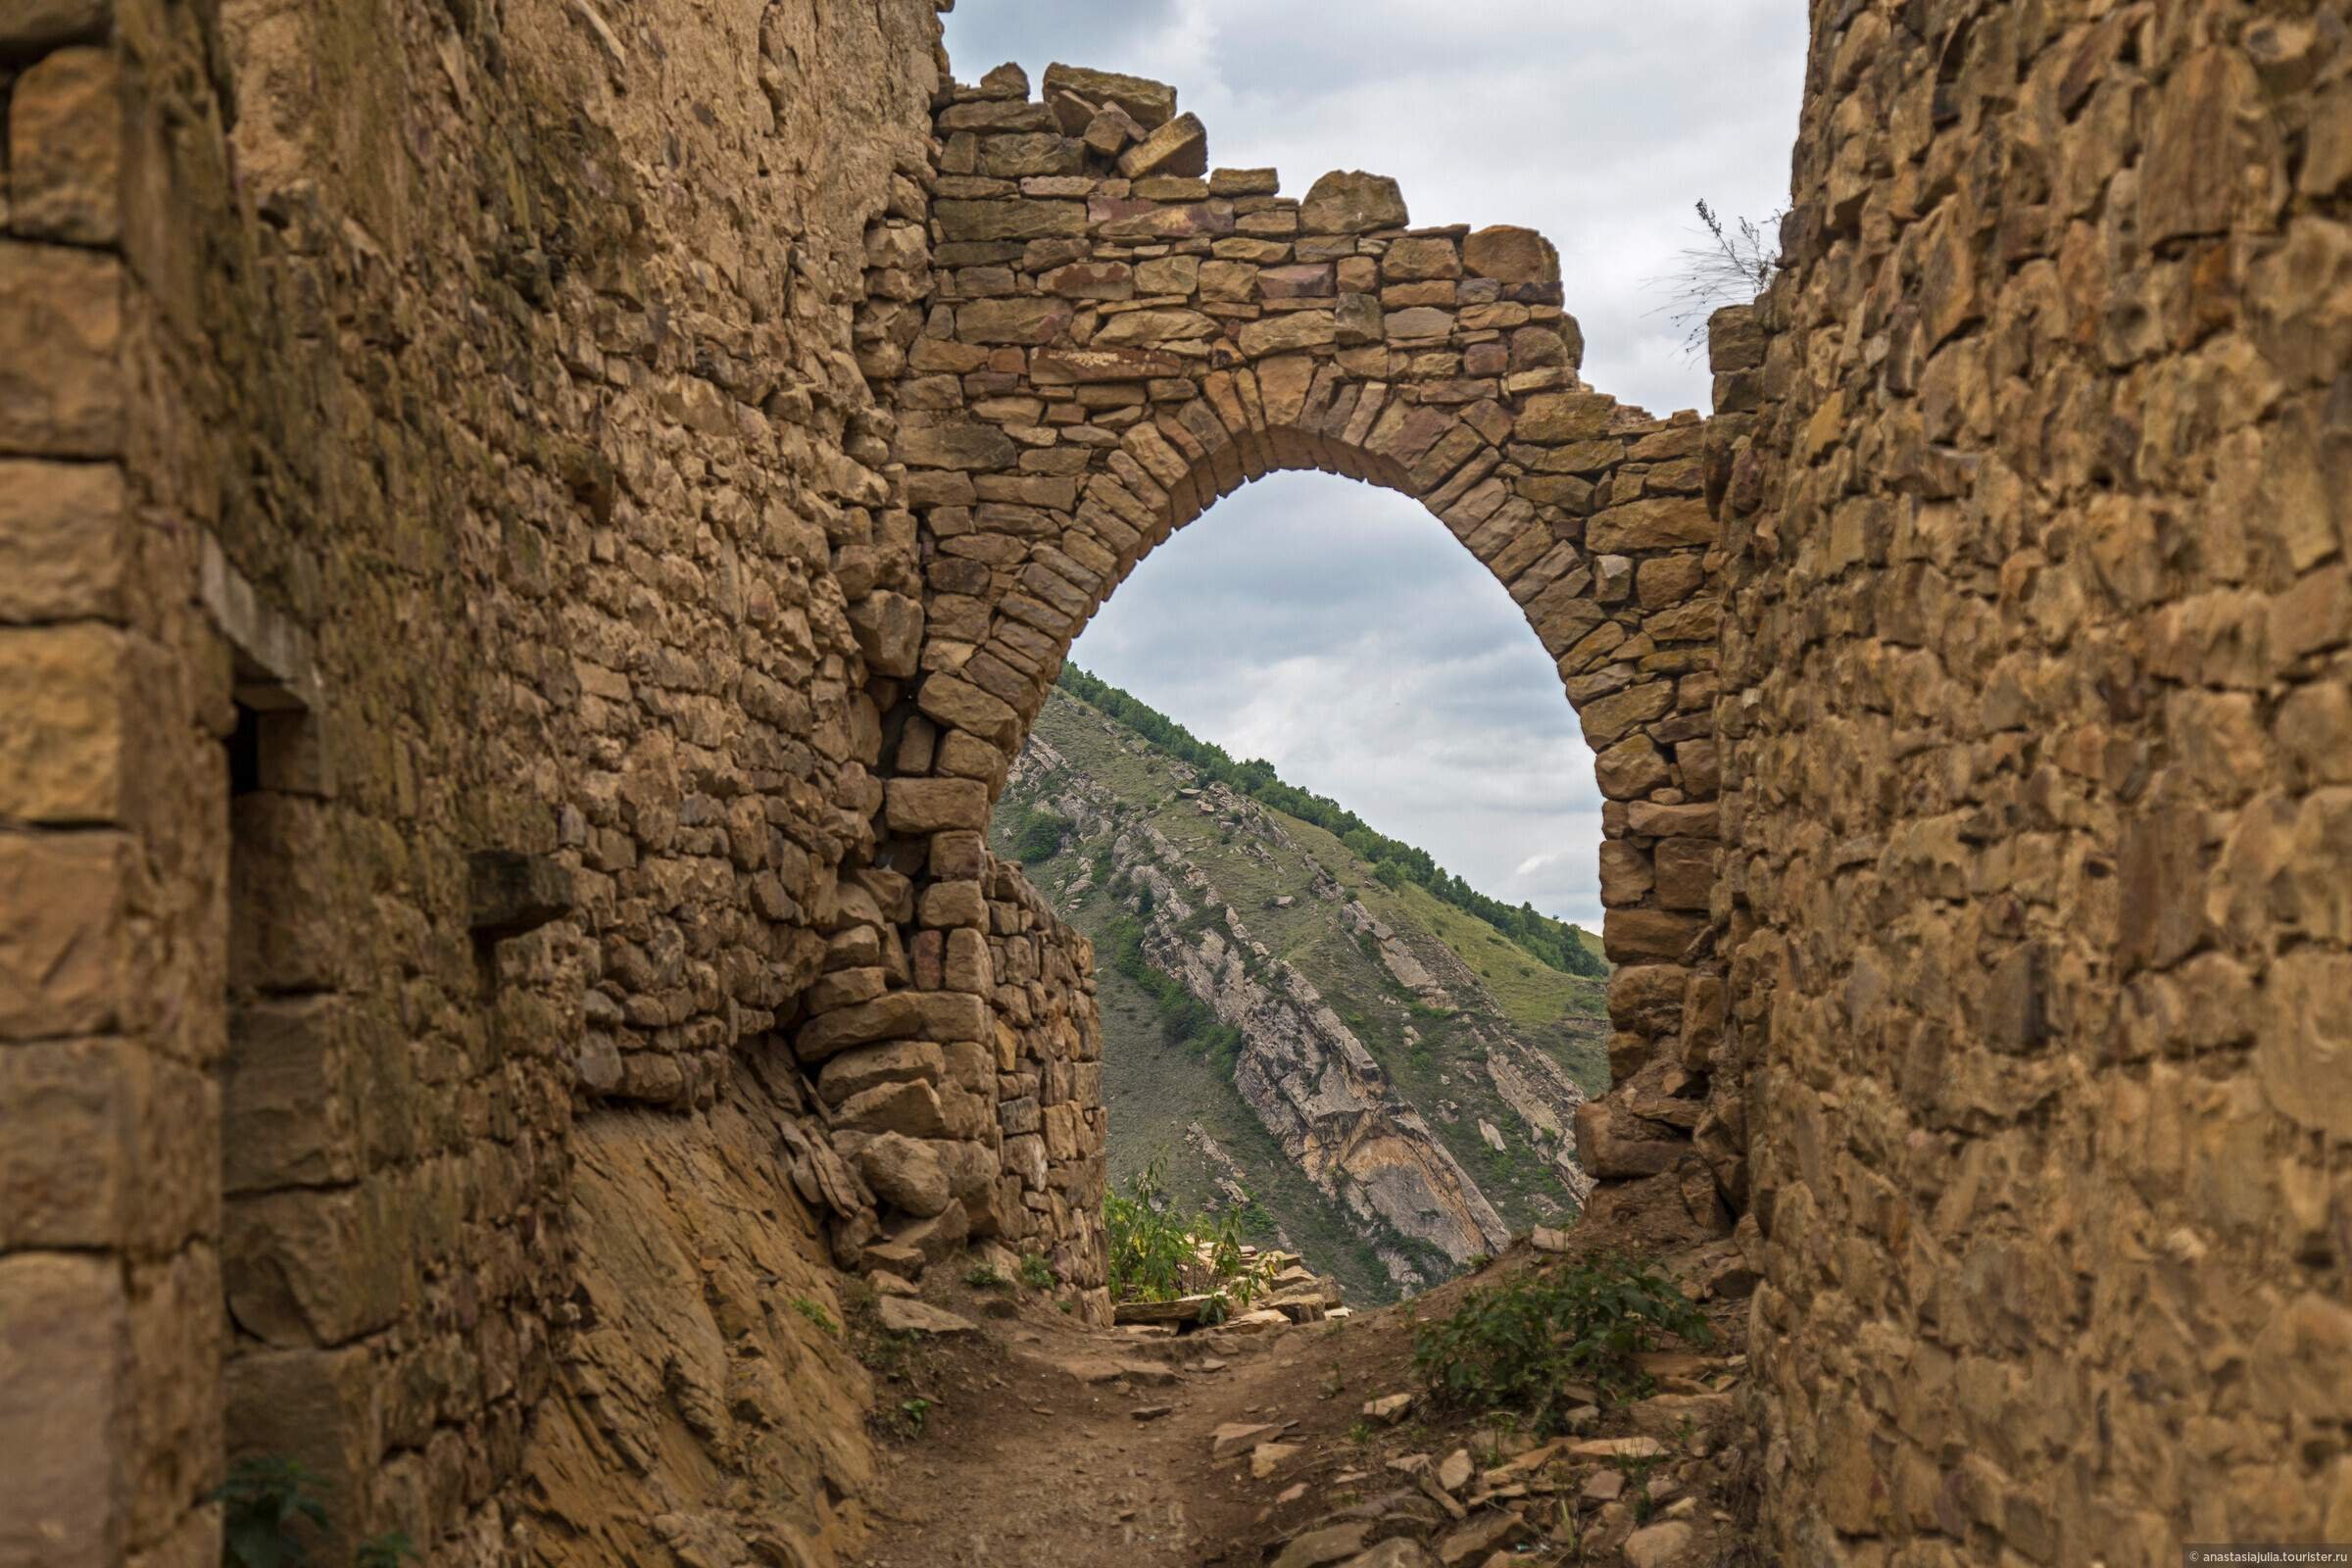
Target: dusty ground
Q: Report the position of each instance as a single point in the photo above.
(1046, 1444)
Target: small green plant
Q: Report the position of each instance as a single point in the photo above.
(1636, 1469)
(1155, 1253)
(984, 1277)
(1360, 1433)
(1513, 1346)
(1037, 1273)
(816, 1313)
(264, 1502)
(387, 1550)
(913, 1415)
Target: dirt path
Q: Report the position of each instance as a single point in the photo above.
(1051, 1444)
(1046, 1445)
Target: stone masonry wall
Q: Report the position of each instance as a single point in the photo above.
(442, 527)
(2038, 707)
(1111, 335)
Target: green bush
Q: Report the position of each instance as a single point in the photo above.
(1153, 1252)
(1039, 835)
(265, 1504)
(1513, 1346)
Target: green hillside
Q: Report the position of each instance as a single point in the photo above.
(1520, 1000)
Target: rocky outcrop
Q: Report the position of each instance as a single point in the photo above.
(1310, 1079)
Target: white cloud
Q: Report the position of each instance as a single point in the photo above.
(1341, 633)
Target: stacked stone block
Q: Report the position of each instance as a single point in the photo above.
(2036, 675)
(1119, 335)
(538, 516)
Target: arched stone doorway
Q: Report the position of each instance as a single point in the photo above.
(1097, 337)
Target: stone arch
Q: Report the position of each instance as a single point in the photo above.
(1112, 337)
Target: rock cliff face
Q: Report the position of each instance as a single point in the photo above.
(1296, 1003)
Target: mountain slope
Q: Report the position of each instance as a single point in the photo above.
(1385, 1076)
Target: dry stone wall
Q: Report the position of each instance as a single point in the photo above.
(1115, 334)
(530, 531)
(442, 519)
(2039, 707)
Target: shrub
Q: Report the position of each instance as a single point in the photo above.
(1040, 836)
(1153, 1252)
(1513, 1346)
(264, 1502)
(1037, 1273)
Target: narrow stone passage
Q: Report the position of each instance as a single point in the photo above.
(1047, 1442)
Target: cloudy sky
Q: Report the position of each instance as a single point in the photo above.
(1336, 629)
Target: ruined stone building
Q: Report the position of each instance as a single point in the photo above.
(529, 530)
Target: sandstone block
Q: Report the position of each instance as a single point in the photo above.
(1655, 522)
(64, 712)
(1611, 1144)
(1169, 275)
(970, 447)
(1029, 320)
(1126, 219)
(969, 965)
(1152, 103)
(64, 545)
(283, 1090)
(1562, 417)
(1647, 997)
(934, 804)
(1014, 218)
(65, 149)
(889, 628)
(1031, 153)
(1287, 333)
(1639, 936)
(2303, 1053)
(1417, 321)
(1686, 871)
(316, 1267)
(896, 1015)
(1082, 367)
(911, 1108)
(322, 1408)
(905, 1174)
(955, 903)
(1110, 130)
(1510, 255)
(1178, 147)
(1301, 281)
(1631, 768)
(1352, 202)
(65, 1411)
(864, 1067)
(60, 323)
(1654, 820)
(64, 947)
(1609, 719)
(1419, 257)
(1090, 281)
(1131, 327)
(1626, 873)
